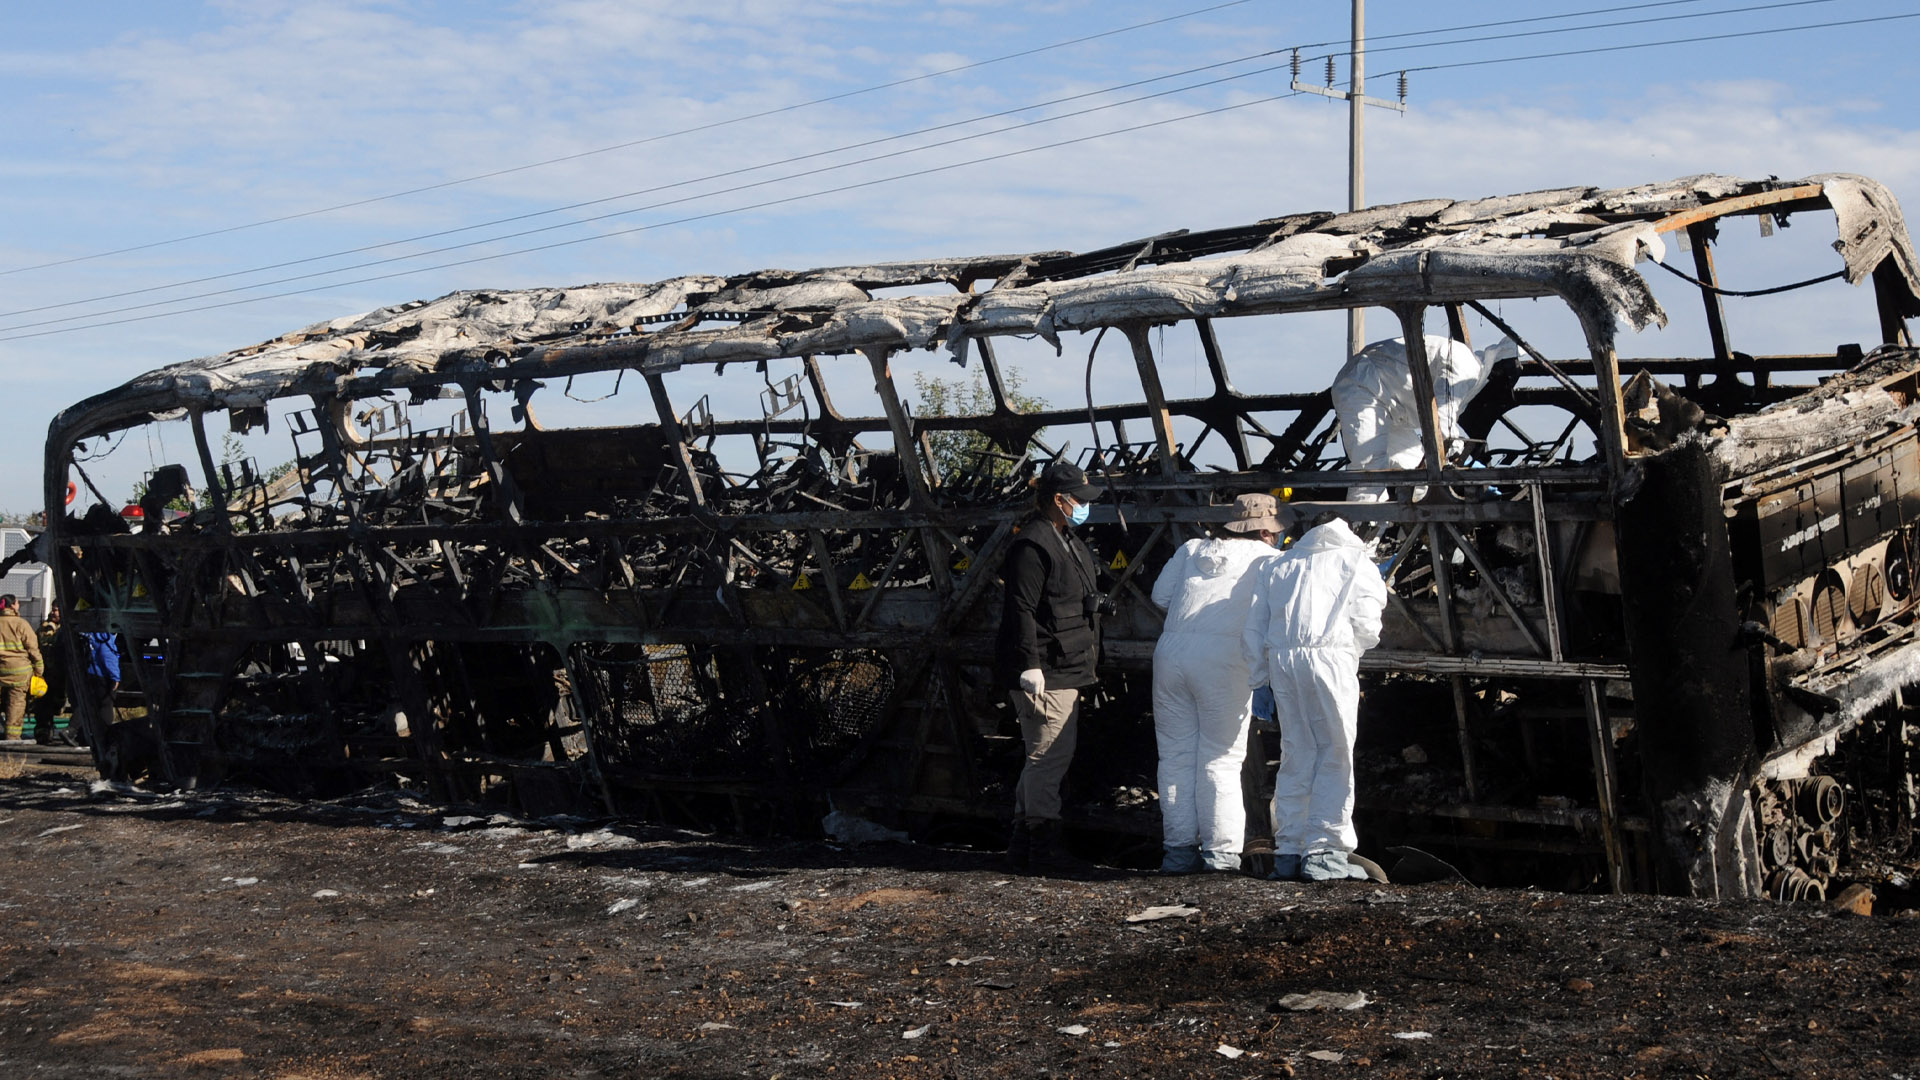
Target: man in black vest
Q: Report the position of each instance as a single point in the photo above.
(1048, 650)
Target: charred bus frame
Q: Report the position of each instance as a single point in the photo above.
(619, 615)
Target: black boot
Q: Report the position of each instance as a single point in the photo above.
(1020, 847)
(1050, 854)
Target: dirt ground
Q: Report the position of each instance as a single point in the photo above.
(227, 934)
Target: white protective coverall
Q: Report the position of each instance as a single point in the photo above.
(1379, 420)
(1201, 692)
(1316, 609)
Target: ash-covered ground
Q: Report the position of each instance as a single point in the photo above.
(227, 934)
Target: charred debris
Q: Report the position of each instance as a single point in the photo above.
(1651, 618)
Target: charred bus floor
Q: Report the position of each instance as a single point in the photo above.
(693, 550)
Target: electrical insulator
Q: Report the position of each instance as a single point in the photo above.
(1329, 71)
(1403, 88)
(1296, 65)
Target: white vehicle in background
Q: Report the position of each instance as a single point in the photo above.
(31, 582)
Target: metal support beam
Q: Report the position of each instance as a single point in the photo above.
(1539, 357)
(1450, 637)
(1613, 432)
(828, 579)
(1235, 432)
(503, 487)
(1890, 300)
(1549, 586)
(215, 490)
(1499, 594)
(670, 421)
(1426, 404)
(908, 449)
(996, 382)
(1606, 789)
(1701, 235)
(1156, 397)
(899, 424)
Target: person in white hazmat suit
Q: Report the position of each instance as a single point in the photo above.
(1315, 609)
(1200, 691)
(1379, 418)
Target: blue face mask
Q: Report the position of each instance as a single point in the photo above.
(1079, 515)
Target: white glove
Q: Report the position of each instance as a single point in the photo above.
(1033, 682)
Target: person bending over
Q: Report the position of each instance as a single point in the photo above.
(1315, 609)
(1200, 687)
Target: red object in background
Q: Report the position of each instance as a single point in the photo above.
(72, 490)
(131, 511)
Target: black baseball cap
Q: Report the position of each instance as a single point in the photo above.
(1066, 478)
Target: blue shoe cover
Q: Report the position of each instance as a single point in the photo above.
(1330, 866)
(1221, 862)
(1180, 860)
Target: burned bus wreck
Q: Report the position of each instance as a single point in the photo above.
(1660, 644)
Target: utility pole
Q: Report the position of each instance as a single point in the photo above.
(1357, 150)
(1356, 98)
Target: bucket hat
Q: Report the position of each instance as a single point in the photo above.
(1254, 513)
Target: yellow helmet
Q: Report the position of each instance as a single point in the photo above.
(36, 687)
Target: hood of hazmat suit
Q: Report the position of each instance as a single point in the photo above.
(1324, 592)
(1379, 418)
(1205, 587)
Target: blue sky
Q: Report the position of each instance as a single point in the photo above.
(135, 123)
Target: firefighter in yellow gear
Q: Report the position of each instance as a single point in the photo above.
(20, 662)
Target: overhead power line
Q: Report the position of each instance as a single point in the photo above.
(681, 220)
(888, 179)
(736, 172)
(753, 116)
(1674, 41)
(724, 174)
(1502, 22)
(650, 206)
(1745, 9)
(762, 114)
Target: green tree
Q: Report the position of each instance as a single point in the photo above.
(965, 453)
(232, 453)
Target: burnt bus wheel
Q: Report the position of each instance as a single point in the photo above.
(1866, 595)
(1899, 572)
(1829, 608)
(1790, 622)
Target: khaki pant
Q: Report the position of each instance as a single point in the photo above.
(1050, 725)
(13, 692)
